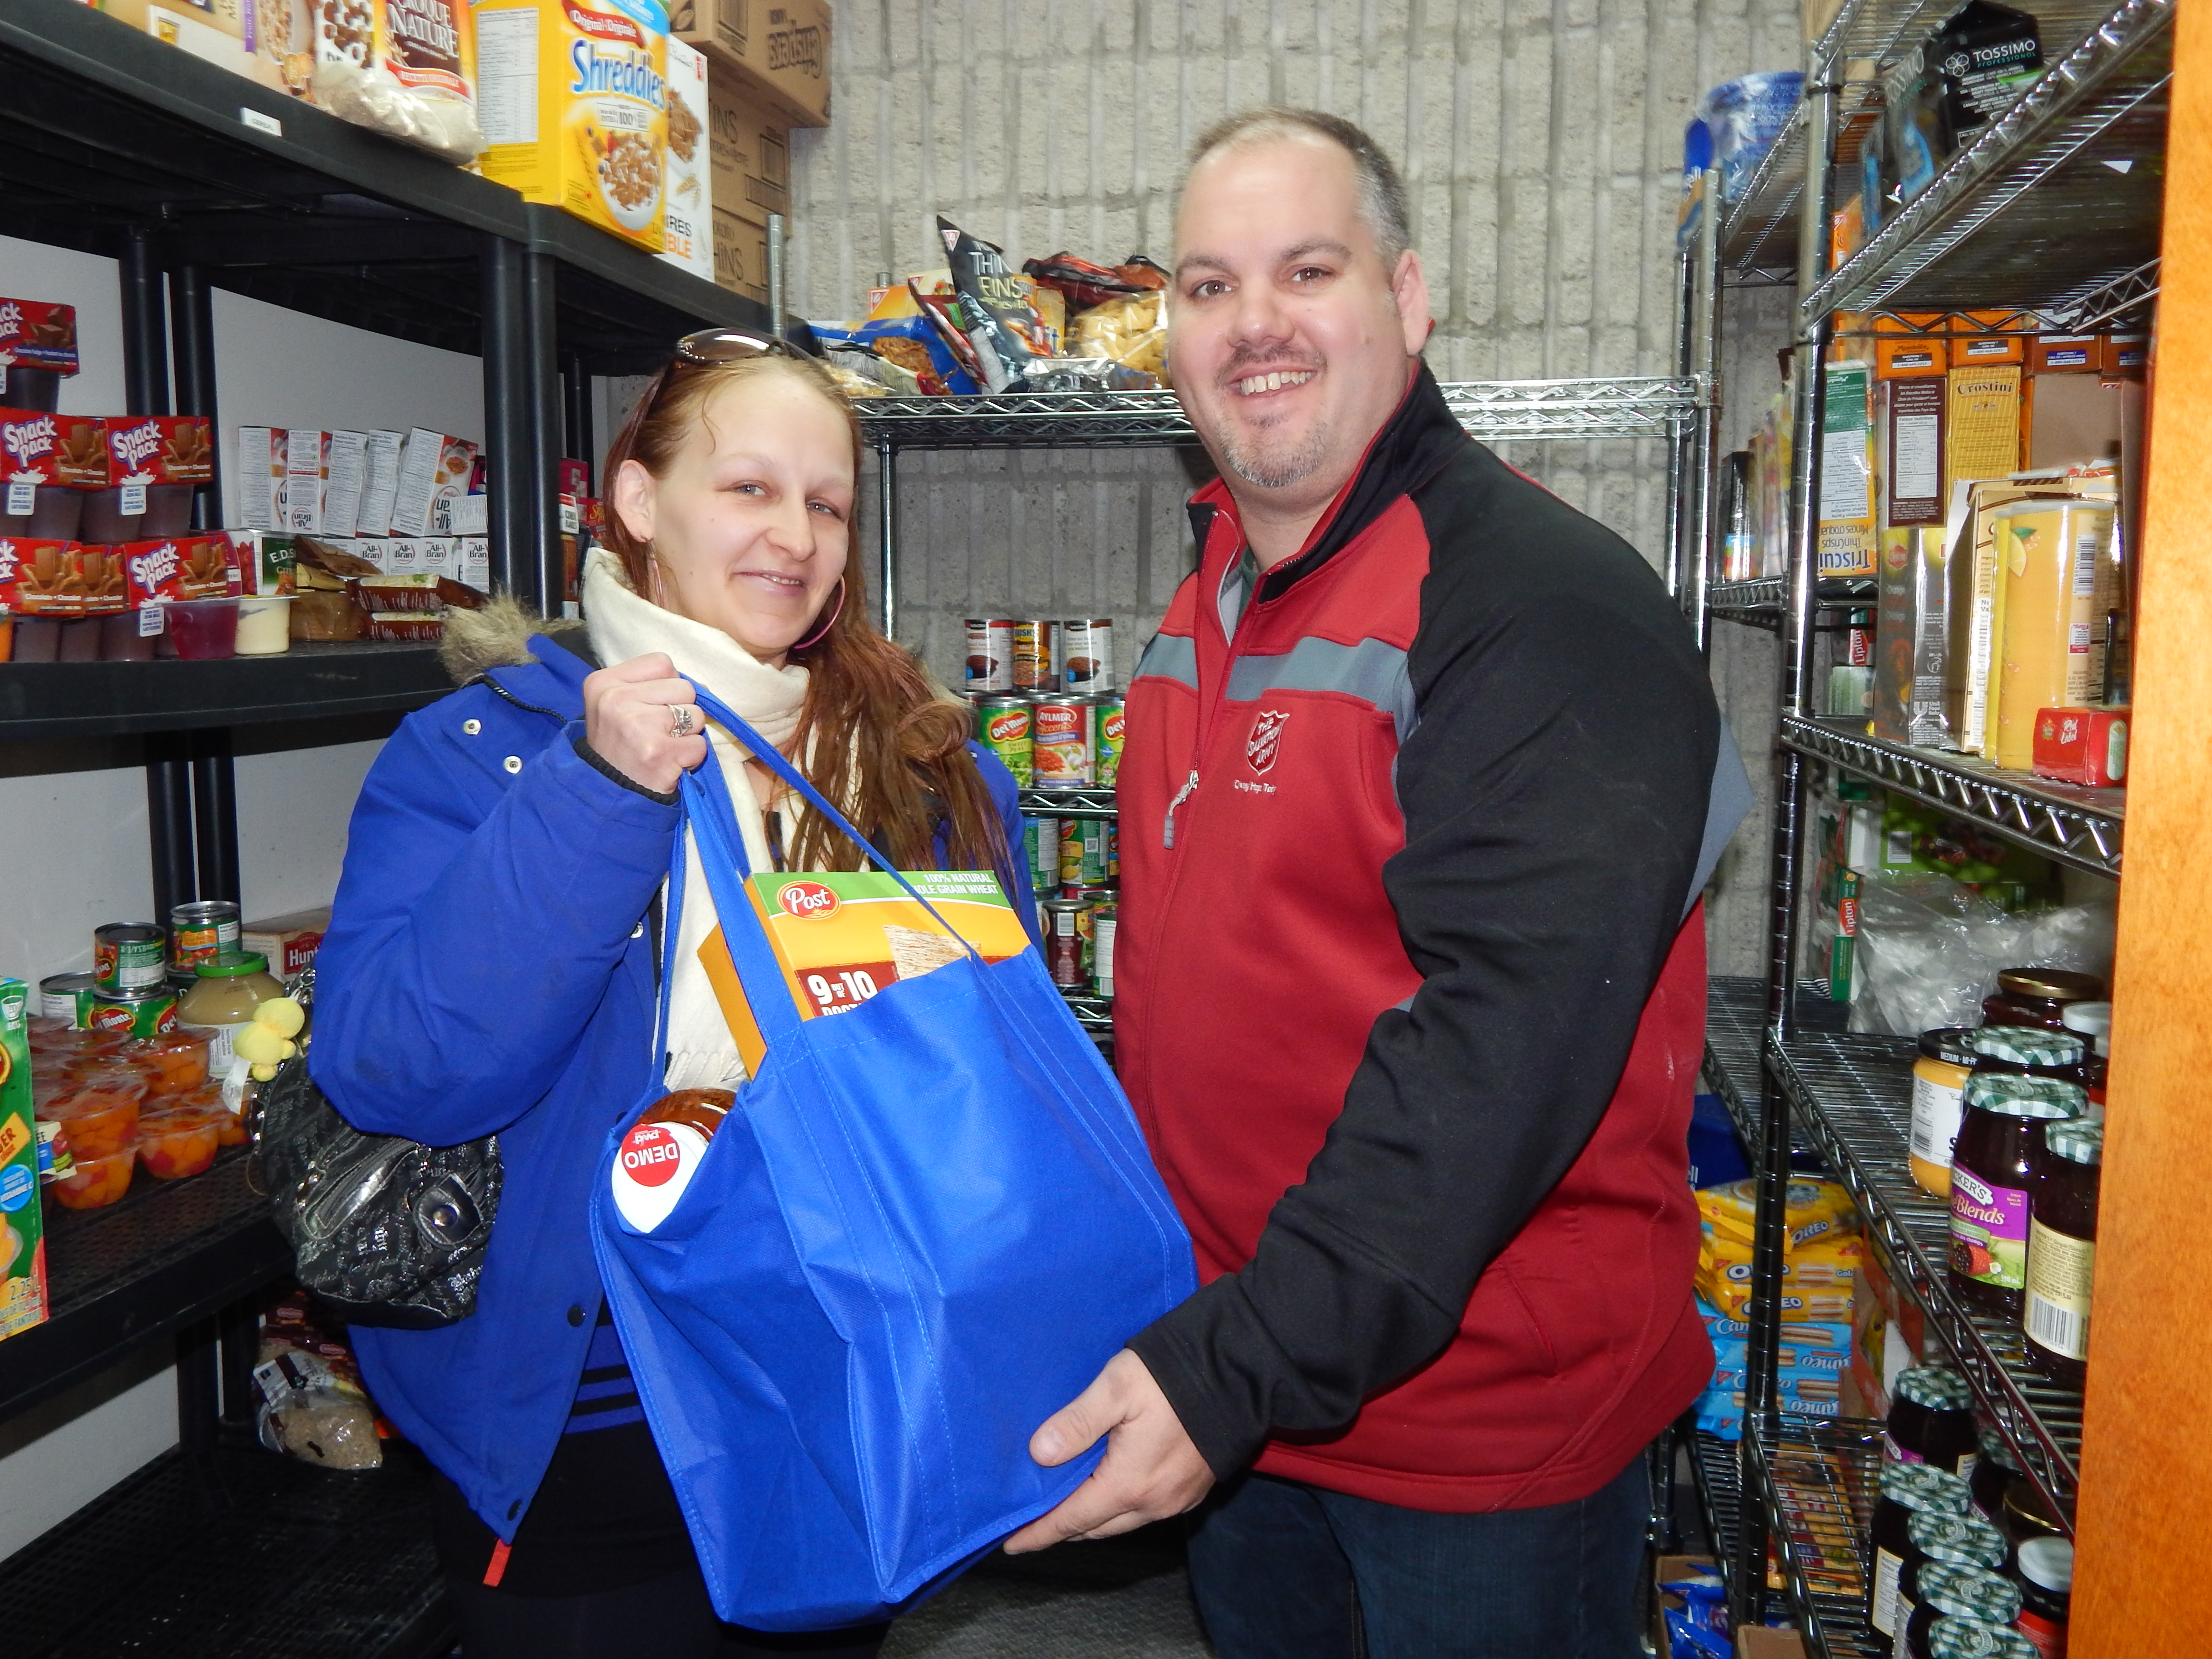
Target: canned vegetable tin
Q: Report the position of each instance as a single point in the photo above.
(127, 955)
(1061, 743)
(990, 653)
(1107, 723)
(1003, 726)
(141, 1011)
(200, 932)
(1065, 936)
(1036, 659)
(1082, 853)
(1086, 653)
(1103, 915)
(1040, 843)
(68, 996)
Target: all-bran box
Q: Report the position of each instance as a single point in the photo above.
(22, 1228)
(573, 99)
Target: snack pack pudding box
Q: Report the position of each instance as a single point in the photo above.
(22, 1230)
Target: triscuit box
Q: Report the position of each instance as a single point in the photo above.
(688, 235)
(781, 48)
(1846, 539)
(573, 99)
(750, 145)
(22, 1230)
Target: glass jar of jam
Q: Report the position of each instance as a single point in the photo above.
(2025, 1517)
(1944, 1540)
(2092, 1022)
(1906, 1490)
(1994, 1471)
(1958, 1592)
(1990, 1176)
(2021, 1051)
(2062, 1246)
(1931, 1420)
(2038, 996)
(2045, 1566)
(1939, 1084)
(1956, 1636)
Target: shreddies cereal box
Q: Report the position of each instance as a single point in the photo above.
(572, 98)
(22, 1230)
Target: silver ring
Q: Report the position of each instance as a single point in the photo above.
(680, 720)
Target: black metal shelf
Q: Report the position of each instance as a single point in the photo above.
(1717, 1472)
(1816, 1483)
(1735, 1038)
(169, 1253)
(1854, 1095)
(217, 1555)
(99, 699)
(108, 131)
(2063, 821)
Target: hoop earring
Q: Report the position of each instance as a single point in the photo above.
(836, 609)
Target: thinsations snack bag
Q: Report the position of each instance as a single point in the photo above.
(992, 308)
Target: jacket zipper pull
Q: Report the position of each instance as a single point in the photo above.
(1167, 836)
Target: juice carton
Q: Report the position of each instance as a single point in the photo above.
(22, 1230)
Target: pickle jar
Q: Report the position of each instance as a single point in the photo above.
(2092, 1022)
(1994, 1471)
(1953, 1591)
(1939, 1085)
(2022, 1051)
(1990, 1179)
(2062, 1247)
(226, 990)
(1906, 1490)
(1931, 1420)
(2038, 996)
(2045, 1566)
(1943, 1541)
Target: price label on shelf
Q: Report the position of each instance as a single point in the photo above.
(133, 501)
(22, 498)
(152, 619)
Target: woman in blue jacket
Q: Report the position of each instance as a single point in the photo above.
(491, 962)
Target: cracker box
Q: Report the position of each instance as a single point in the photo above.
(573, 99)
(688, 237)
(843, 937)
(23, 1230)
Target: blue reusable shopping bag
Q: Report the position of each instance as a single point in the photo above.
(924, 1227)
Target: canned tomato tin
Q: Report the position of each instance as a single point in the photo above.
(1040, 843)
(1060, 743)
(1108, 723)
(68, 996)
(990, 653)
(1086, 653)
(200, 932)
(126, 955)
(1003, 726)
(1103, 915)
(1082, 853)
(1064, 935)
(1037, 657)
(141, 1011)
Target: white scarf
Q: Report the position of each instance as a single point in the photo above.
(702, 1053)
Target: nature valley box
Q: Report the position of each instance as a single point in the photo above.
(23, 1230)
(840, 937)
(573, 99)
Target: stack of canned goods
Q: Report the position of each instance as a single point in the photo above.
(1054, 742)
(1039, 656)
(139, 970)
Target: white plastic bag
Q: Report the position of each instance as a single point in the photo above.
(1931, 949)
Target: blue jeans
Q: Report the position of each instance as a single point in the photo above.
(1285, 1570)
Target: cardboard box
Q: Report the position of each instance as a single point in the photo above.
(1909, 429)
(260, 481)
(1888, 1334)
(22, 1221)
(1846, 543)
(1981, 421)
(1674, 1570)
(226, 33)
(572, 101)
(750, 147)
(1764, 1642)
(288, 941)
(435, 467)
(379, 483)
(740, 257)
(1898, 351)
(2075, 418)
(2087, 745)
(778, 48)
(688, 234)
(475, 560)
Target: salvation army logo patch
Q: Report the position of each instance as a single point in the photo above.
(1267, 739)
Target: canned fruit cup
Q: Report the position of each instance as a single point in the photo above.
(93, 1183)
(180, 1142)
(177, 1062)
(205, 630)
(95, 1130)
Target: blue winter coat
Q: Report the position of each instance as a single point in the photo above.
(487, 970)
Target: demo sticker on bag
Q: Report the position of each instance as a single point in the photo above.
(841, 937)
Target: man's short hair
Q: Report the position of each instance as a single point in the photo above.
(1381, 193)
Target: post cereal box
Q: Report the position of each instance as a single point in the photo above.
(572, 98)
(843, 937)
(22, 1230)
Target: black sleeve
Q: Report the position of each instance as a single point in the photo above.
(601, 765)
(1555, 793)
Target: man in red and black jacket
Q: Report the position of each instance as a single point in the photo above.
(1423, 780)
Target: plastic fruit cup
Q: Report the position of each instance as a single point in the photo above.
(265, 624)
(95, 1182)
(83, 1091)
(208, 1097)
(175, 1143)
(101, 1133)
(177, 1062)
(203, 628)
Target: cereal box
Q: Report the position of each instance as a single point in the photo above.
(434, 467)
(261, 477)
(688, 241)
(22, 1230)
(841, 937)
(572, 98)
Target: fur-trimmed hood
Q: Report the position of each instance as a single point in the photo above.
(498, 636)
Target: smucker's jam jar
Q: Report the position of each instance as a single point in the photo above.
(2062, 1246)
(1906, 1490)
(2038, 996)
(1931, 1420)
(1994, 1471)
(2024, 1051)
(1990, 1177)
(1943, 1541)
(1956, 1592)
(2092, 1022)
